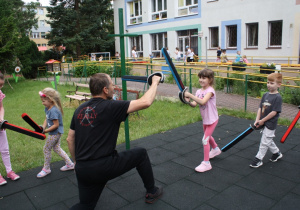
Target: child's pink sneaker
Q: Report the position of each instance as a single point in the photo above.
(2, 180)
(214, 152)
(13, 176)
(203, 167)
(43, 173)
(67, 167)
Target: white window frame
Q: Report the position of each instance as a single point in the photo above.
(43, 35)
(157, 50)
(188, 8)
(157, 14)
(134, 18)
(228, 36)
(41, 11)
(270, 33)
(248, 35)
(187, 40)
(138, 42)
(42, 23)
(35, 35)
(212, 39)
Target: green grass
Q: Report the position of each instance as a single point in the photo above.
(27, 152)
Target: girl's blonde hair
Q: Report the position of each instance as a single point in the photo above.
(208, 73)
(54, 97)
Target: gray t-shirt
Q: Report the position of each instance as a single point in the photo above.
(269, 103)
(54, 114)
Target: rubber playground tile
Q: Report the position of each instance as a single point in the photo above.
(249, 153)
(140, 204)
(160, 155)
(291, 156)
(106, 202)
(186, 195)
(190, 160)
(283, 169)
(171, 172)
(215, 179)
(181, 147)
(197, 139)
(171, 136)
(147, 143)
(205, 207)
(51, 193)
(226, 119)
(236, 198)
(58, 206)
(235, 127)
(236, 164)
(289, 201)
(266, 184)
(130, 188)
(16, 201)
(296, 189)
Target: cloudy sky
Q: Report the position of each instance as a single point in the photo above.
(43, 2)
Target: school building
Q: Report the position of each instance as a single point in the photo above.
(265, 29)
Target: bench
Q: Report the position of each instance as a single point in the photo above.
(78, 94)
(85, 96)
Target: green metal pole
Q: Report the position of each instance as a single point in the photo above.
(123, 68)
(227, 82)
(184, 77)
(191, 81)
(246, 86)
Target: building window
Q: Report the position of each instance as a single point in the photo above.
(35, 35)
(188, 38)
(41, 11)
(231, 36)
(214, 37)
(158, 41)
(252, 35)
(42, 23)
(187, 7)
(138, 42)
(135, 11)
(44, 45)
(159, 9)
(275, 33)
(43, 35)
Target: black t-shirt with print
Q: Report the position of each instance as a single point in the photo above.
(96, 124)
(269, 103)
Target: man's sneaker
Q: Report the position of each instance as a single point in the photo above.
(203, 167)
(256, 163)
(276, 156)
(43, 173)
(214, 152)
(150, 198)
(67, 167)
(2, 180)
(13, 176)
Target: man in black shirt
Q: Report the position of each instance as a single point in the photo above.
(92, 140)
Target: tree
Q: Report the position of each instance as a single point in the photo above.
(82, 26)
(16, 19)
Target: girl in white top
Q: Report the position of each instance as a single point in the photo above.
(133, 53)
(177, 53)
(206, 98)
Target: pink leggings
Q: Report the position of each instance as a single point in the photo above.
(53, 141)
(4, 150)
(208, 140)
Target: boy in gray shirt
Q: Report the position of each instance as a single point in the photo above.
(267, 116)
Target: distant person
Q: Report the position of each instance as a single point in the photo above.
(267, 116)
(219, 54)
(117, 55)
(177, 54)
(101, 58)
(245, 59)
(224, 58)
(134, 53)
(53, 125)
(190, 55)
(4, 147)
(206, 99)
(238, 57)
(93, 137)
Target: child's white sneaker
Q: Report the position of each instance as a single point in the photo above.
(67, 167)
(214, 152)
(203, 167)
(43, 173)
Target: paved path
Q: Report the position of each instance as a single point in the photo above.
(231, 184)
